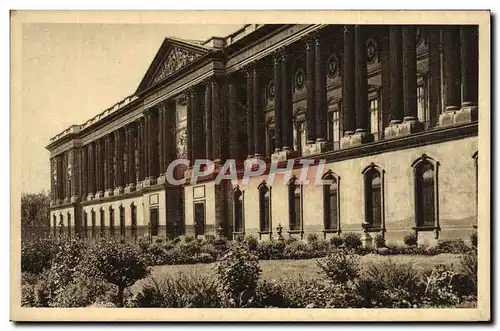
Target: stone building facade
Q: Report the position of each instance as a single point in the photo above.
(392, 110)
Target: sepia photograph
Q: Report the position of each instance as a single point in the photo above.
(246, 162)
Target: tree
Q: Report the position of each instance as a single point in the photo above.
(119, 263)
(34, 210)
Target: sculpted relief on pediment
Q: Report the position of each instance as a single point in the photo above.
(176, 59)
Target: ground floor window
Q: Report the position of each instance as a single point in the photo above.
(238, 211)
(264, 208)
(199, 218)
(295, 204)
(153, 219)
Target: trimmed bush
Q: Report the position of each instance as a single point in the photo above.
(339, 267)
(336, 241)
(312, 238)
(290, 240)
(252, 243)
(238, 273)
(37, 255)
(457, 246)
(120, 264)
(352, 240)
(271, 250)
(410, 239)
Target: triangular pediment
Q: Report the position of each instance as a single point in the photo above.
(172, 56)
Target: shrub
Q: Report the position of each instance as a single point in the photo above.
(120, 264)
(271, 250)
(296, 251)
(468, 273)
(336, 241)
(271, 294)
(473, 238)
(352, 240)
(188, 239)
(312, 238)
(379, 240)
(183, 291)
(143, 244)
(319, 248)
(37, 255)
(339, 267)
(69, 253)
(252, 243)
(221, 246)
(305, 293)
(410, 239)
(44, 289)
(457, 246)
(290, 240)
(238, 274)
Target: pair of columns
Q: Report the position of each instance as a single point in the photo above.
(205, 120)
(65, 184)
(255, 118)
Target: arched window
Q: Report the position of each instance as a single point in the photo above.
(295, 205)
(92, 213)
(264, 208)
(238, 214)
(425, 182)
(122, 221)
(133, 216)
(69, 224)
(331, 203)
(111, 222)
(103, 224)
(374, 198)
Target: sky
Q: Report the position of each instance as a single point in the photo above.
(71, 72)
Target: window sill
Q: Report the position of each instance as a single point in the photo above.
(295, 232)
(425, 228)
(331, 231)
(265, 232)
(370, 230)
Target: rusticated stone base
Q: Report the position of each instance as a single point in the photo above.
(454, 116)
(355, 139)
(407, 127)
(284, 155)
(317, 148)
(427, 238)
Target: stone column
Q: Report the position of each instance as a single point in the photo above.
(198, 140)
(258, 115)
(59, 179)
(84, 172)
(234, 145)
(109, 174)
(396, 73)
(250, 118)
(348, 97)
(100, 168)
(160, 137)
(216, 122)
(320, 85)
(149, 148)
(90, 170)
(189, 120)
(452, 75)
(451, 54)
(310, 80)
(73, 174)
(130, 136)
(409, 73)
(208, 120)
(52, 182)
(140, 149)
(168, 141)
(470, 65)
(287, 106)
(434, 74)
(360, 80)
(119, 164)
(278, 126)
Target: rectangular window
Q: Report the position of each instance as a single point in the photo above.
(111, 222)
(55, 225)
(133, 212)
(199, 218)
(103, 224)
(69, 224)
(376, 201)
(93, 225)
(122, 222)
(295, 209)
(238, 215)
(336, 129)
(61, 224)
(374, 118)
(154, 219)
(85, 224)
(264, 202)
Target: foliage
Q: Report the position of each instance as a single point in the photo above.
(271, 250)
(35, 209)
(410, 239)
(379, 240)
(119, 263)
(69, 252)
(183, 291)
(37, 255)
(336, 241)
(468, 273)
(238, 273)
(312, 238)
(352, 240)
(339, 267)
(252, 243)
(457, 246)
(473, 238)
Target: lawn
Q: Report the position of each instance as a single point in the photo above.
(302, 268)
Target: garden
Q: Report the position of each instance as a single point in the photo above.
(201, 273)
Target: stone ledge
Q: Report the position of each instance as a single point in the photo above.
(316, 148)
(407, 127)
(355, 139)
(455, 116)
